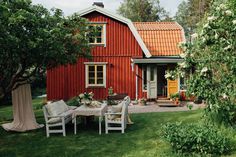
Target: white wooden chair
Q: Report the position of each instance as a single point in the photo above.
(57, 114)
(118, 120)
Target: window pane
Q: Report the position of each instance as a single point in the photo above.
(99, 28)
(91, 40)
(99, 34)
(99, 81)
(91, 68)
(99, 40)
(183, 83)
(91, 81)
(91, 74)
(100, 74)
(152, 74)
(99, 68)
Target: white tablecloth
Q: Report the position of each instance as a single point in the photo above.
(88, 111)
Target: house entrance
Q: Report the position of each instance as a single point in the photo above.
(161, 81)
(157, 85)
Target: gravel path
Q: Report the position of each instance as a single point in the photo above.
(155, 108)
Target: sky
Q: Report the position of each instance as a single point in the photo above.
(71, 6)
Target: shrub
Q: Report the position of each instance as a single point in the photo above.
(196, 138)
(174, 96)
(73, 101)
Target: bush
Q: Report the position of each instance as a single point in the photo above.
(73, 101)
(196, 138)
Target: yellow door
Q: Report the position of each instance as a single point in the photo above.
(172, 86)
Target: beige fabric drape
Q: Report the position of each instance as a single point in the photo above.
(24, 118)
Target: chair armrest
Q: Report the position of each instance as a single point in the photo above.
(58, 116)
(118, 113)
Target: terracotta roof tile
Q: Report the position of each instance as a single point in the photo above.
(161, 38)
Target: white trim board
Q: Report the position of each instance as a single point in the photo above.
(121, 19)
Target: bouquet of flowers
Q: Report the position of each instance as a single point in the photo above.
(86, 98)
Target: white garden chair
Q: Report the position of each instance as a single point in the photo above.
(118, 120)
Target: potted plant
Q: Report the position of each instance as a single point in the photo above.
(175, 97)
(143, 101)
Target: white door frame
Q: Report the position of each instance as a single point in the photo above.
(151, 82)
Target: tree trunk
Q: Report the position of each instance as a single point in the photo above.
(24, 118)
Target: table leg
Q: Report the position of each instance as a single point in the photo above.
(75, 125)
(100, 125)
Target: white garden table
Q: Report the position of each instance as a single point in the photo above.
(84, 110)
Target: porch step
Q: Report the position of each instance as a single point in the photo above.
(163, 100)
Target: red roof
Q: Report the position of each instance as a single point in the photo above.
(161, 38)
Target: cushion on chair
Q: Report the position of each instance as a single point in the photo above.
(67, 113)
(54, 120)
(116, 109)
(57, 108)
(72, 107)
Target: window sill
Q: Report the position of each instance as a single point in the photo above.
(98, 44)
(95, 86)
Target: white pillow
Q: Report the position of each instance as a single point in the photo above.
(116, 109)
(57, 108)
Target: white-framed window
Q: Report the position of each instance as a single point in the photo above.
(97, 34)
(144, 78)
(182, 83)
(95, 74)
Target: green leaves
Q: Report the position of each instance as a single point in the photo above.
(196, 138)
(212, 61)
(32, 36)
(143, 10)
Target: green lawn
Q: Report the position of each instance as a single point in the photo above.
(141, 139)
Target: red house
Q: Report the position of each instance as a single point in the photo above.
(130, 57)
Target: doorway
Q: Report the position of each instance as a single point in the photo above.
(161, 81)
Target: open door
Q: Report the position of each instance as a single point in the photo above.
(172, 87)
(151, 82)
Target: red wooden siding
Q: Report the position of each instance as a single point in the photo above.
(120, 40)
(67, 81)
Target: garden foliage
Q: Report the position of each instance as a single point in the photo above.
(33, 38)
(210, 62)
(196, 139)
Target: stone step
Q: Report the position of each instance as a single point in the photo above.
(164, 101)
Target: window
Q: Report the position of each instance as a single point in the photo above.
(95, 74)
(97, 34)
(152, 71)
(182, 82)
(144, 78)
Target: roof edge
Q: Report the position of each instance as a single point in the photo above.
(183, 33)
(121, 19)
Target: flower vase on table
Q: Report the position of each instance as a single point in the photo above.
(86, 98)
(86, 102)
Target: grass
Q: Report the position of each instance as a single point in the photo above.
(141, 139)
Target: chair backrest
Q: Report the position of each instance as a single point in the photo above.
(56, 108)
(45, 113)
(125, 108)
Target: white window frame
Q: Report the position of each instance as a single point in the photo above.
(87, 64)
(103, 24)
